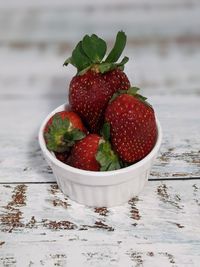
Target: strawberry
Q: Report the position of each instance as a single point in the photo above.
(84, 152)
(63, 130)
(96, 80)
(93, 153)
(133, 125)
(62, 156)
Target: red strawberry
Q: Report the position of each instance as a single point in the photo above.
(84, 152)
(117, 80)
(93, 153)
(63, 130)
(133, 125)
(96, 80)
(90, 93)
(62, 156)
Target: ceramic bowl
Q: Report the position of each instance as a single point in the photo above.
(99, 189)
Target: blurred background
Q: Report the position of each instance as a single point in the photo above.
(37, 36)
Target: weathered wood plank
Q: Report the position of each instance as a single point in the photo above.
(52, 22)
(39, 226)
(116, 3)
(163, 69)
(21, 158)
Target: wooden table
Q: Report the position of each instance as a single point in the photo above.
(39, 226)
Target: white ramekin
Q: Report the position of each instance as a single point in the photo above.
(99, 189)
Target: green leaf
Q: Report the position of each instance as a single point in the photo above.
(133, 90)
(118, 48)
(116, 94)
(72, 136)
(79, 58)
(59, 124)
(105, 66)
(60, 137)
(55, 135)
(67, 61)
(84, 70)
(77, 134)
(91, 51)
(123, 62)
(106, 131)
(121, 67)
(101, 157)
(107, 158)
(56, 144)
(114, 166)
(94, 47)
(142, 98)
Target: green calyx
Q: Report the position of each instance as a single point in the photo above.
(131, 91)
(61, 136)
(107, 158)
(91, 50)
(105, 131)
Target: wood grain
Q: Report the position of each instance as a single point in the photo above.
(41, 226)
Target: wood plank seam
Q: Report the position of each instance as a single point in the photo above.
(150, 180)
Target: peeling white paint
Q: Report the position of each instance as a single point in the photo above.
(167, 231)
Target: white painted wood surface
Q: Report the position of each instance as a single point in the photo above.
(39, 226)
(52, 21)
